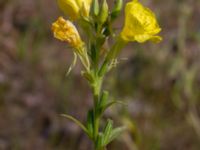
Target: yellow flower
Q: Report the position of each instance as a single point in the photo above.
(75, 8)
(64, 30)
(140, 24)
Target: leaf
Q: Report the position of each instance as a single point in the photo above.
(111, 104)
(99, 141)
(107, 132)
(103, 99)
(90, 123)
(77, 122)
(115, 102)
(115, 133)
(102, 102)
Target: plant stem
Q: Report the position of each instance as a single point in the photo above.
(96, 96)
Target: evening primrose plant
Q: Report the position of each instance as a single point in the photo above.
(95, 19)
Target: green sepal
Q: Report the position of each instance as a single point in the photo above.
(76, 122)
(90, 123)
(116, 9)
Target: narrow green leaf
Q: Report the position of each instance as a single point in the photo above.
(111, 104)
(103, 99)
(90, 123)
(107, 132)
(99, 141)
(76, 121)
(115, 133)
(115, 102)
(102, 102)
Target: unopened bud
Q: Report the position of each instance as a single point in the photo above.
(95, 8)
(104, 12)
(117, 9)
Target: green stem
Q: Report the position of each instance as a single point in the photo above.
(112, 54)
(96, 83)
(96, 95)
(96, 89)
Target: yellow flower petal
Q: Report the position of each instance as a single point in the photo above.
(75, 8)
(145, 37)
(64, 30)
(69, 7)
(140, 23)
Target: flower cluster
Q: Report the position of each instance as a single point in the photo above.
(140, 22)
(96, 20)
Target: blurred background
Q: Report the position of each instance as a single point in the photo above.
(159, 82)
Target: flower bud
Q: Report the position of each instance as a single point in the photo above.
(95, 8)
(117, 9)
(104, 12)
(65, 31)
(75, 8)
